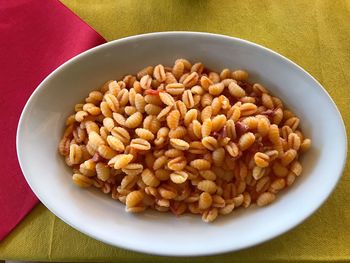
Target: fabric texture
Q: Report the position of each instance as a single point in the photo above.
(36, 36)
(314, 34)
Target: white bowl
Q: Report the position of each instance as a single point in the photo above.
(100, 217)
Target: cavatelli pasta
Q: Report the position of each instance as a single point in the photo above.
(184, 139)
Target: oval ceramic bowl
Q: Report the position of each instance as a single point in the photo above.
(42, 123)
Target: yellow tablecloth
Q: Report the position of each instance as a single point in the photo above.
(314, 34)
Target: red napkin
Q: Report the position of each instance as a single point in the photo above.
(36, 36)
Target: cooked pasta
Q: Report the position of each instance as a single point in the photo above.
(184, 139)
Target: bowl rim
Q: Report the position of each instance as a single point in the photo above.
(207, 251)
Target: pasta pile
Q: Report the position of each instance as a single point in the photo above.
(184, 139)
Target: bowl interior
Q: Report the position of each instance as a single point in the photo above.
(99, 216)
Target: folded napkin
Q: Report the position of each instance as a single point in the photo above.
(36, 36)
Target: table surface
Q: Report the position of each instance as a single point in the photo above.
(314, 34)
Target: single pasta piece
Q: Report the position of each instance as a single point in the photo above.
(251, 122)
(140, 144)
(206, 100)
(128, 182)
(277, 185)
(274, 134)
(149, 178)
(248, 109)
(134, 198)
(240, 75)
(197, 148)
(197, 67)
(123, 97)
(140, 103)
(94, 97)
(205, 201)
(80, 115)
(178, 69)
(288, 157)
(173, 119)
(177, 164)
(263, 126)
(265, 199)
(190, 116)
(178, 133)
(210, 215)
(279, 170)
(214, 77)
(95, 140)
(293, 141)
(179, 177)
(207, 127)
(166, 98)
(234, 113)
(175, 88)
(121, 134)
(159, 73)
(258, 172)
(216, 106)
(167, 192)
(121, 160)
(207, 186)
(172, 153)
(144, 134)
(187, 98)
(235, 90)
(191, 80)
(92, 109)
(133, 169)
(292, 122)
(197, 128)
(216, 89)
(261, 159)
(218, 122)
(179, 144)
(102, 171)
(75, 153)
(106, 151)
(232, 149)
(206, 113)
(259, 89)
(200, 164)
(160, 162)
(134, 120)
(208, 175)
(81, 180)
(112, 102)
(91, 126)
(227, 209)
(181, 107)
(285, 131)
(225, 74)
(218, 201)
(170, 78)
(197, 90)
(152, 109)
(246, 141)
(218, 156)
(146, 82)
(305, 145)
(187, 64)
(296, 168)
(210, 143)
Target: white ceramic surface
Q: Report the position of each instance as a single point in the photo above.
(100, 217)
